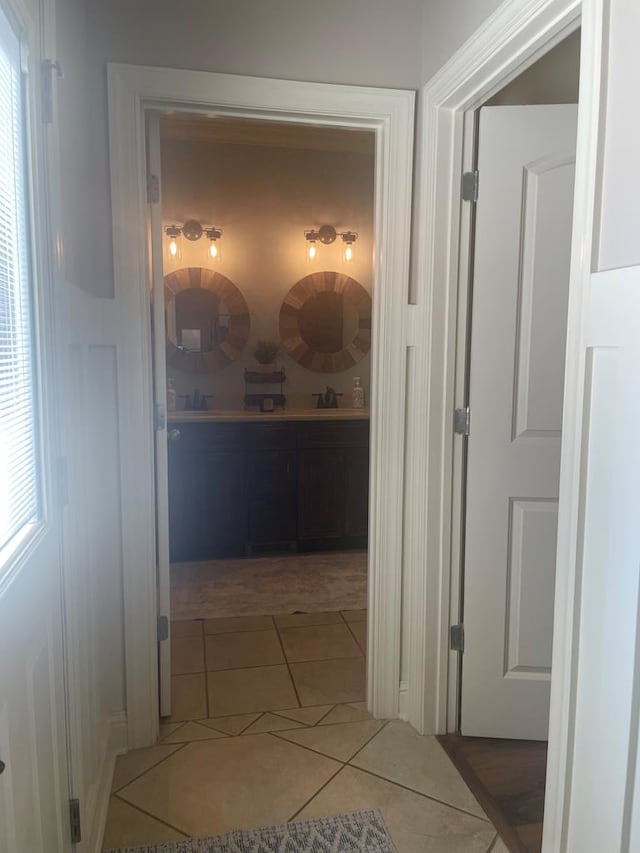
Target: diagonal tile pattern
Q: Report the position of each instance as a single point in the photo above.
(252, 743)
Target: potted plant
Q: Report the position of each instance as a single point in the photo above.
(265, 353)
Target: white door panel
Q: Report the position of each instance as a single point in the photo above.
(160, 397)
(521, 277)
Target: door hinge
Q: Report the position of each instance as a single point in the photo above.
(462, 421)
(159, 417)
(74, 821)
(163, 628)
(49, 68)
(153, 189)
(61, 481)
(470, 182)
(456, 638)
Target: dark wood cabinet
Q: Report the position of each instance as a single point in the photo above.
(237, 488)
(207, 496)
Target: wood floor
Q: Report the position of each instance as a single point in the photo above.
(507, 778)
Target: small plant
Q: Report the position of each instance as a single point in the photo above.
(265, 352)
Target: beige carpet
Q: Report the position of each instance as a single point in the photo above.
(253, 586)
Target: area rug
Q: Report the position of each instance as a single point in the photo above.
(356, 832)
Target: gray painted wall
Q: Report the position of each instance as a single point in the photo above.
(362, 42)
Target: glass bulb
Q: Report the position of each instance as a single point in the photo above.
(312, 252)
(348, 252)
(214, 251)
(173, 248)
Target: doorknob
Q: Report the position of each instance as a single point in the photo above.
(173, 434)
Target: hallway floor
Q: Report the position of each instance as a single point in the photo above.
(269, 725)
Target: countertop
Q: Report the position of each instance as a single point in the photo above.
(241, 415)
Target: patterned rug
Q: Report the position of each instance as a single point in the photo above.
(357, 832)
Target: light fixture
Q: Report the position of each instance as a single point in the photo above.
(348, 238)
(327, 234)
(193, 230)
(173, 232)
(213, 235)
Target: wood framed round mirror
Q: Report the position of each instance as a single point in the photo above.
(325, 322)
(207, 320)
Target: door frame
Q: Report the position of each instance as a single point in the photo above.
(389, 114)
(518, 34)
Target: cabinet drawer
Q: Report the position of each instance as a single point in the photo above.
(209, 436)
(333, 434)
(278, 435)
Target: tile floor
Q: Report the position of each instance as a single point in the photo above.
(269, 725)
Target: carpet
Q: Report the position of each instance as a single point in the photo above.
(258, 586)
(356, 832)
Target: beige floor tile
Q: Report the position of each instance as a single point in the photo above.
(232, 725)
(247, 648)
(355, 615)
(341, 741)
(187, 655)
(297, 620)
(306, 716)
(319, 642)
(344, 714)
(188, 697)
(128, 827)
(359, 631)
(167, 729)
(218, 785)
(401, 755)
(193, 731)
(186, 628)
(237, 623)
(416, 824)
(271, 723)
(136, 762)
(241, 691)
(324, 682)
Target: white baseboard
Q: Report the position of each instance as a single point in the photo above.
(117, 746)
(403, 700)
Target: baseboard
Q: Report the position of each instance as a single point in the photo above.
(117, 746)
(403, 700)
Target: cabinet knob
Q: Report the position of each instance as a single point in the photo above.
(173, 434)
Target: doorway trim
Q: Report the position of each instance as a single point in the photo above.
(389, 114)
(518, 34)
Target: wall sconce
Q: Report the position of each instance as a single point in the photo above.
(192, 230)
(213, 235)
(327, 234)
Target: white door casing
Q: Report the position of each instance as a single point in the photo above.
(518, 336)
(389, 114)
(160, 398)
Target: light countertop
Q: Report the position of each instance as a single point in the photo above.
(241, 415)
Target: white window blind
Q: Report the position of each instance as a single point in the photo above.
(18, 463)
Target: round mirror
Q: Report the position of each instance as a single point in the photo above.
(207, 320)
(325, 322)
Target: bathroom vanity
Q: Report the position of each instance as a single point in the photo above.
(244, 482)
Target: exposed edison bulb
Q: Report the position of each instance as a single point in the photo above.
(348, 253)
(312, 252)
(173, 248)
(214, 251)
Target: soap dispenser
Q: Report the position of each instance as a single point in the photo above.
(357, 394)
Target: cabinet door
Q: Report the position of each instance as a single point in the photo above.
(207, 508)
(357, 492)
(321, 510)
(272, 491)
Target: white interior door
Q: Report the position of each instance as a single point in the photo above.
(34, 778)
(160, 398)
(526, 159)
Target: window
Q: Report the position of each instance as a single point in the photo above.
(18, 463)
